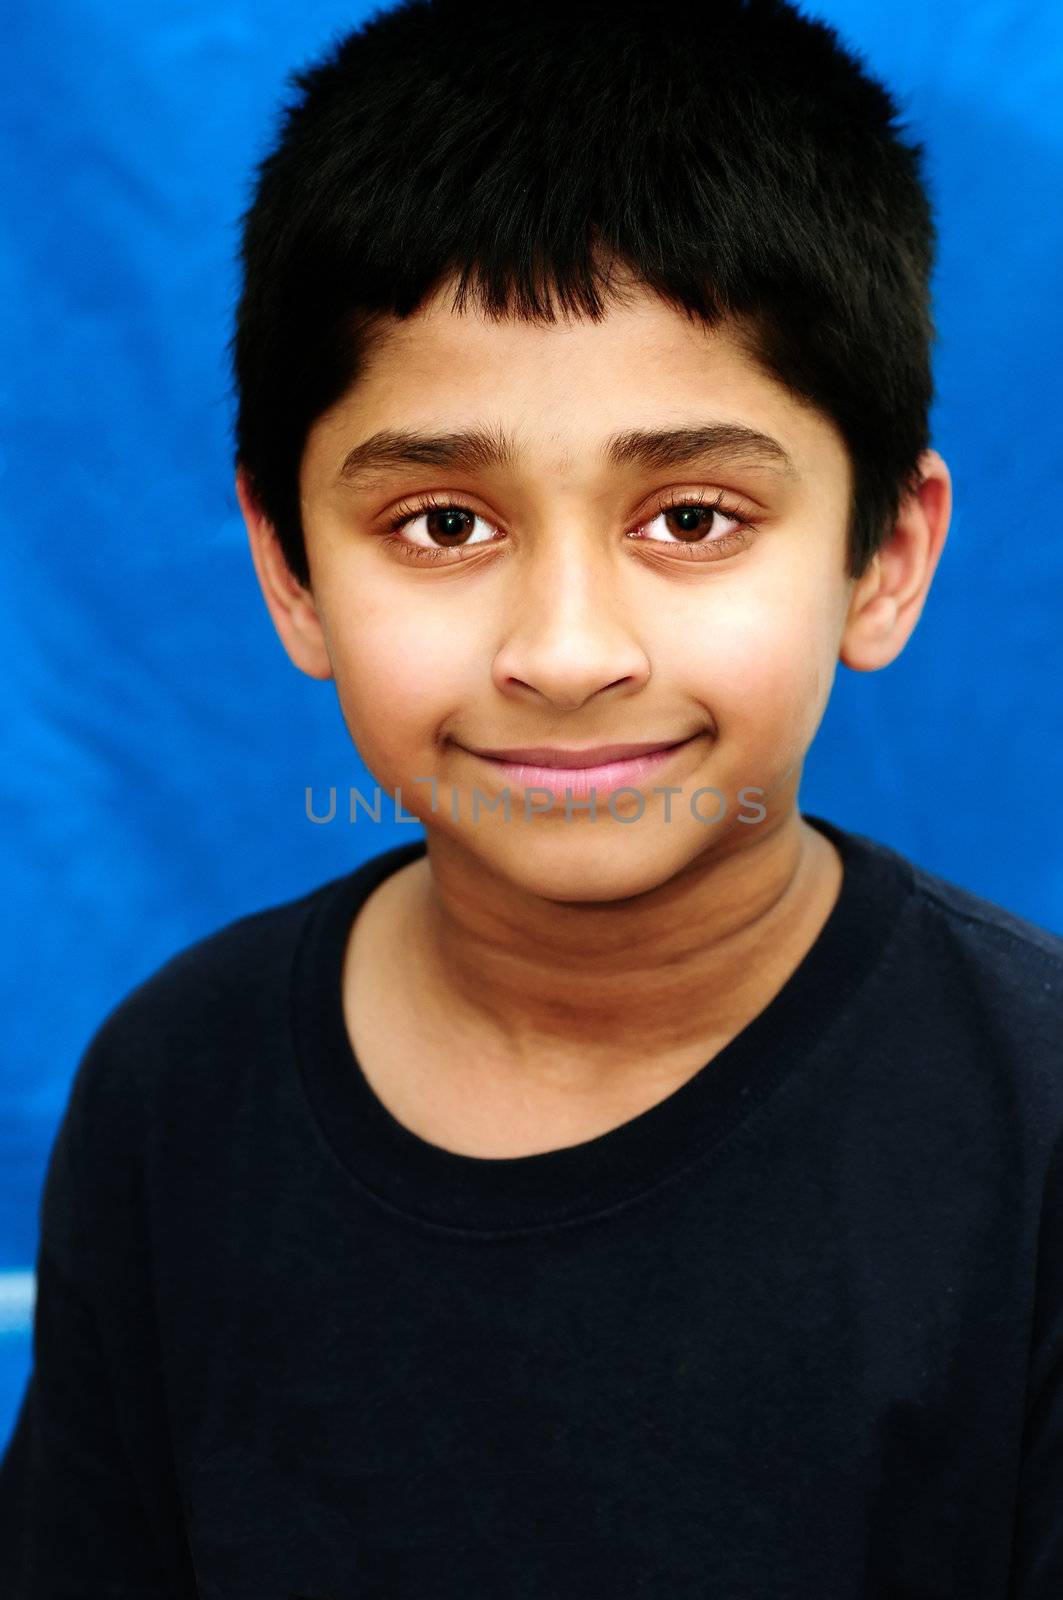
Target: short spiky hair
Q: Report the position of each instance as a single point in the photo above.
(733, 154)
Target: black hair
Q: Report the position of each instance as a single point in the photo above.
(732, 154)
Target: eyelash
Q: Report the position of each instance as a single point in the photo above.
(409, 511)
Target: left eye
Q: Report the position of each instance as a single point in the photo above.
(695, 522)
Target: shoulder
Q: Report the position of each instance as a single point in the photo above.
(947, 940)
(205, 978)
(991, 981)
(166, 1066)
(217, 1013)
(998, 927)
(211, 1004)
(1018, 961)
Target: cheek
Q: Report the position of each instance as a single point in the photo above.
(399, 670)
(759, 659)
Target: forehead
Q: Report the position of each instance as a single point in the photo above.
(566, 395)
(636, 329)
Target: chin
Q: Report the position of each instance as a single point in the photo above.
(599, 863)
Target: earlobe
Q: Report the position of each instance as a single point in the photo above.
(888, 600)
(290, 605)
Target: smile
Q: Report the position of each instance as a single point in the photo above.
(577, 772)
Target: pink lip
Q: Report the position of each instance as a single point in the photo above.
(595, 755)
(577, 781)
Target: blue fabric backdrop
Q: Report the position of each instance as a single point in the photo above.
(157, 741)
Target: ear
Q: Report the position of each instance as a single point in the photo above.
(290, 605)
(887, 601)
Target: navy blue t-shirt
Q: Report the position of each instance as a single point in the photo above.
(793, 1333)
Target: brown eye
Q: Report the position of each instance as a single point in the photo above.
(697, 529)
(446, 527)
(694, 522)
(449, 523)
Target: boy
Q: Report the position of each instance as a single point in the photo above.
(635, 1187)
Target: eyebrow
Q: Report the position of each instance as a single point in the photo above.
(480, 449)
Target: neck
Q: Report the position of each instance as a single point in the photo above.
(565, 995)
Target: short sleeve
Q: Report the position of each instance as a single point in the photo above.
(1037, 1552)
(73, 1521)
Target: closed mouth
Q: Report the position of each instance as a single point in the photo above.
(574, 759)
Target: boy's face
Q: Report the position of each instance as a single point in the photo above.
(541, 621)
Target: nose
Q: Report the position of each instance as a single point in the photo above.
(568, 635)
